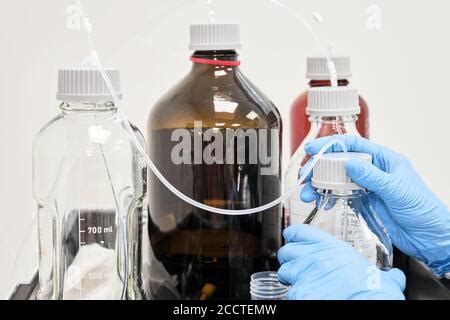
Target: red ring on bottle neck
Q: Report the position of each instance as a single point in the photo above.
(223, 63)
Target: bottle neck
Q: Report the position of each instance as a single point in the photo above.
(204, 61)
(322, 126)
(327, 83)
(88, 107)
(359, 193)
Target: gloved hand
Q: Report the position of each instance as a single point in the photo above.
(417, 221)
(321, 267)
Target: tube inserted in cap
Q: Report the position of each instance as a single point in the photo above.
(86, 85)
(329, 172)
(317, 68)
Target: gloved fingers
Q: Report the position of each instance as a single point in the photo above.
(298, 291)
(308, 194)
(289, 272)
(317, 251)
(291, 251)
(385, 216)
(342, 285)
(398, 276)
(306, 234)
(295, 292)
(304, 242)
(370, 177)
(353, 143)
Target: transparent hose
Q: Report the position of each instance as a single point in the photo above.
(326, 53)
(125, 123)
(307, 170)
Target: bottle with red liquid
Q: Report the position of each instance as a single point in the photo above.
(319, 76)
(331, 110)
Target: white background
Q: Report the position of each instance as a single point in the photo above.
(402, 70)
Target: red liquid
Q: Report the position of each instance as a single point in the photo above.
(300, 124)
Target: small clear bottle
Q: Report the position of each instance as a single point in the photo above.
(266, 286)
(343, 209)
(89, 183)
(332, 110)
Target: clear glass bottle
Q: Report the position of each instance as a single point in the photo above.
(319, 75)
(331, 111)
(202, 250)
(343, 209)
(89, 183)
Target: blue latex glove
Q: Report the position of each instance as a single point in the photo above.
(417, 221)
(321, 267)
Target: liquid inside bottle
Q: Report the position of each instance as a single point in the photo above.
(216, 138)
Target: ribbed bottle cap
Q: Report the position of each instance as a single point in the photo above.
(333, 101)
(317, 68)
(329, 172)
(86, 85)
(213, 36)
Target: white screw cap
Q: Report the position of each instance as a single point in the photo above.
(204, 37)
(329, 172)
(317, 68)
(333, 101)
(86, 85)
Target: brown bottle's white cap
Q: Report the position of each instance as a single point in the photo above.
(205, 37)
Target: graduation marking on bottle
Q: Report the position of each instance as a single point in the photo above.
(99, 230)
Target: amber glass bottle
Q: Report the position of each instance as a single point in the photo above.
(217, 139)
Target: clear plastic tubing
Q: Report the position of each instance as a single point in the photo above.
(193, 202)
(307, 169)
(266, 286)
(327, 53)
